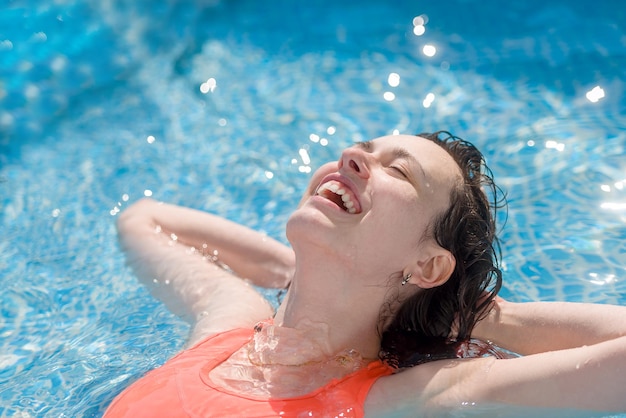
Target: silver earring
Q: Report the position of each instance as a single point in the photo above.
(406, 279)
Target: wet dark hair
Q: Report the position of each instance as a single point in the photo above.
(421, 326)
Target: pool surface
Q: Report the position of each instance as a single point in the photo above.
(228, 106)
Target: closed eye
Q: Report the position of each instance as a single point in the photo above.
(400, 171)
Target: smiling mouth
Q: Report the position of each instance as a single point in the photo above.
(339, 195)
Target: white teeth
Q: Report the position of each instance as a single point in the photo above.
(346, 197)
(347, 202)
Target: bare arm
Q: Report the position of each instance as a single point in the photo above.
(588, 378)
(165, 246)
(575, 359)
(250, 254)
(536, 327)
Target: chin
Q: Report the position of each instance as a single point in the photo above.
(308, 224)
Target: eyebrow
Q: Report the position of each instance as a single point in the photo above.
(364, 145)
(397, 153)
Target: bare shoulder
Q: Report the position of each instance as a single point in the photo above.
(226, 302)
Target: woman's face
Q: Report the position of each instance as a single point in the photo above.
(374, 205)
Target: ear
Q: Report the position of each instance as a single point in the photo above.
(434, 268)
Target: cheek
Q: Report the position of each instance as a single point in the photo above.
(406, 228)
(395, 239)
(405, 219)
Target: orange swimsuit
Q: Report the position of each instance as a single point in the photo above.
(182, 388)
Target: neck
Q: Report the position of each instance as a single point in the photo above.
(332, 303)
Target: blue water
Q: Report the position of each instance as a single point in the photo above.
(228, 105)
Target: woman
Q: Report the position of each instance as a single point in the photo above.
(390, 245)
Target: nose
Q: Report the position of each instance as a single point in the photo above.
(356, 161)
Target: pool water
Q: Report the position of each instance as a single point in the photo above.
(228, 106)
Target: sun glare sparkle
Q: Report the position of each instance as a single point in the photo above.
(419, 30)
(393, 79)
(429, 50)
(595, 94)
(305, 156)
(555, 145)
(428, 100)
(208, 86)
